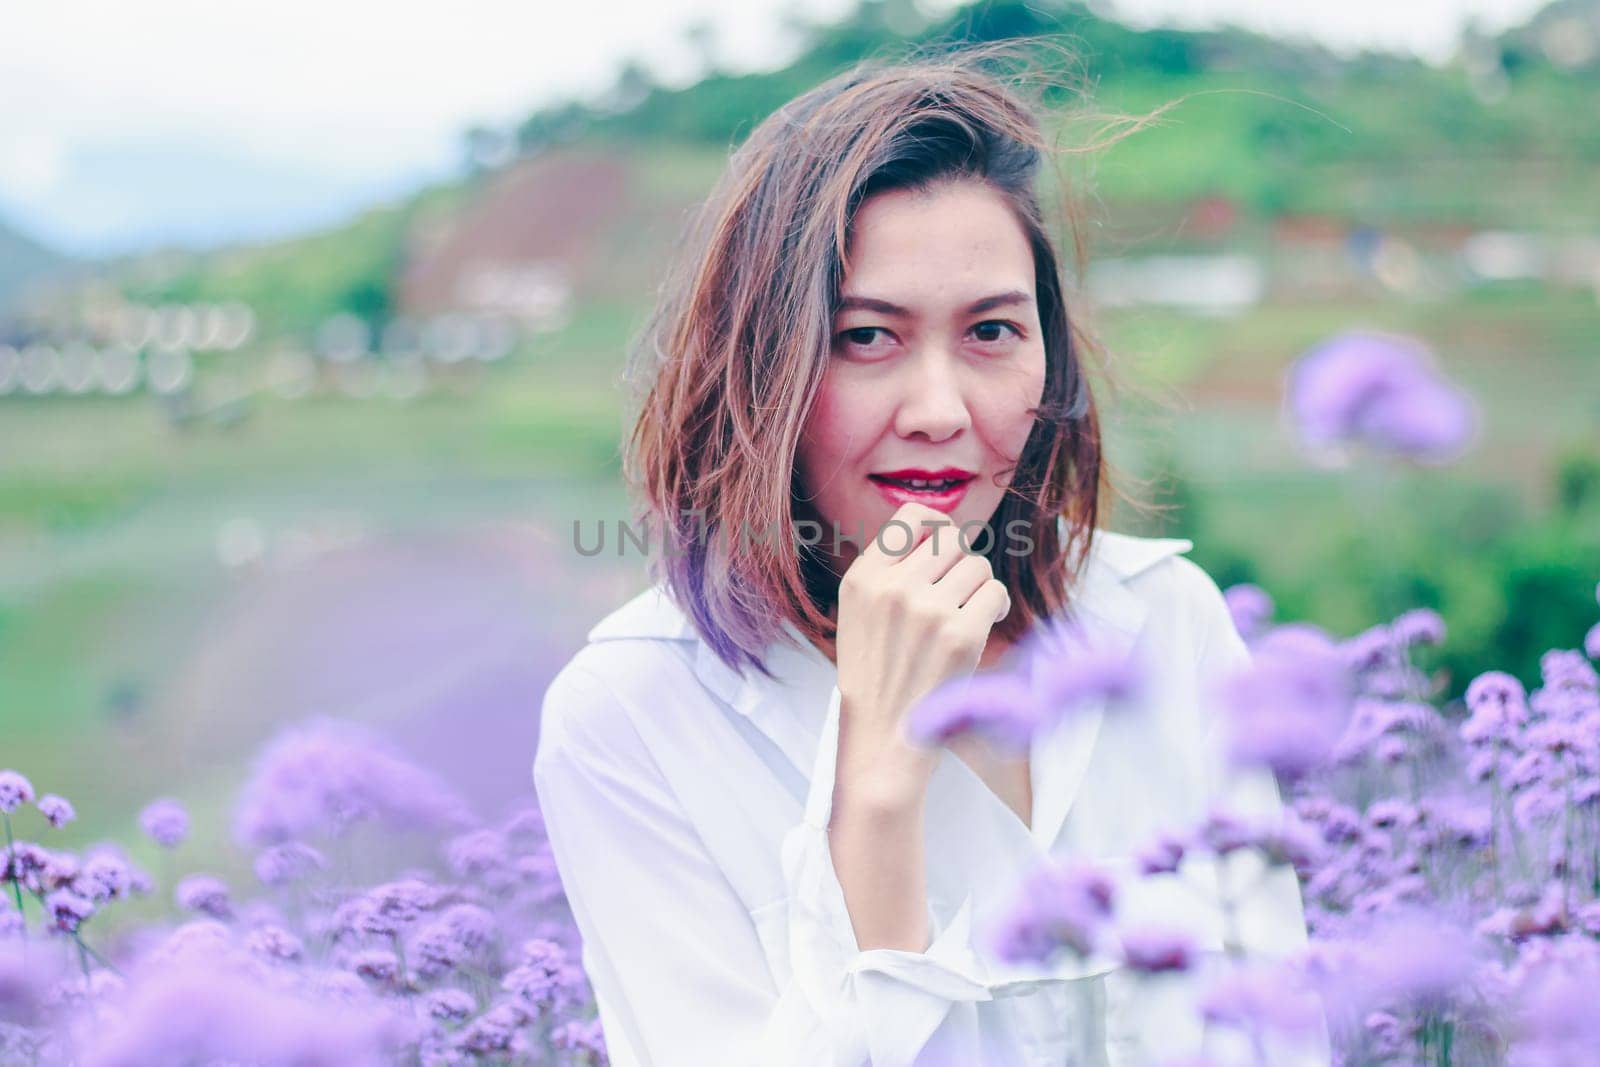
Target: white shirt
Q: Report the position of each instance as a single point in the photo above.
(687, 805)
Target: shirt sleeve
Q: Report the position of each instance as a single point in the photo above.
(680, 971)
(1267, 921)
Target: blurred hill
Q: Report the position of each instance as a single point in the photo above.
(1502, 137)
(24, 261)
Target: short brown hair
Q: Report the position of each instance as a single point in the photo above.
(729, 363)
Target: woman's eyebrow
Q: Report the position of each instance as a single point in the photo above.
(883, 307)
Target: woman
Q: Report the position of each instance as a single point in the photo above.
(865, 344)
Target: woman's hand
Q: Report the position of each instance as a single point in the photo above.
(906, 623)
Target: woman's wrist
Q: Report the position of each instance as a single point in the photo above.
(885, 775)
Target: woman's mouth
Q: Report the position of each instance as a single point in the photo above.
(940, 490)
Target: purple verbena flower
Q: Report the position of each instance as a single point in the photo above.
(193, 1011)
(205, 894)
(450, 1005)
(1156, 949)
(394, 907)
(68, 910)
(324, 775)
(1382, 390)
(104, 876)
(288, 862)
(1419, 626)
(56, 810)
(1224, 832)
(1566, 668)
(377, 965)
(166, 822)
(473, 926)
(1162, 856)
(524, 822)
(580, 1036)
(1251, 608)
(1059, 907)
(1288, 707)
(1499, 706)
(477, 853)
(493, 1031)
(273, 942)
(1262, 999)
(435, 950)
(533, 985)
(1071, 665)
(998, 705)
(15, 791)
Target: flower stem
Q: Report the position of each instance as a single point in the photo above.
(11, 865)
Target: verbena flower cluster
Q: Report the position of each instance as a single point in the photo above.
(1448, 854)
(1449, 858)
(467, 957)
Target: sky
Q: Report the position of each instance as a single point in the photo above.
(133, 125)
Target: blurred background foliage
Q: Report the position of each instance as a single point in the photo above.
(178, 568)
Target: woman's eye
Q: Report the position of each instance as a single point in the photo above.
(1016, 333)
(858, 338)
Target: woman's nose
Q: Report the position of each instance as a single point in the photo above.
(932, 402)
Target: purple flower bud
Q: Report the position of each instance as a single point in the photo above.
(450, 1005)
(472, 925)
(24, 862)
(493, 1031)
(1261, 999)
(1566, 668)
(1591, 642)
(1071, 665)
(477, 853)
(580, 1036)
(531, 984)
(436, 950)
(1295, 843)
(1392, 813)
(1162, 857)
(1224, 832)
(104, 876)
(59, 869)
(1251, 608)
(205, 894)
(378, 966)
(166, 822)
(15, 791)
(1289, 706)
(68, 910)
(1155, 950)
(1499, 706)
(323, 776)
(524, 822)
(1419, 626)
(194, 1011)
(56, 810)
(998, 705)
(1058, 908)
(390, 909)
(275, 943)
(1382, 390)
(287, 863)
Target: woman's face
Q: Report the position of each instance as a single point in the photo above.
(936, 358)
